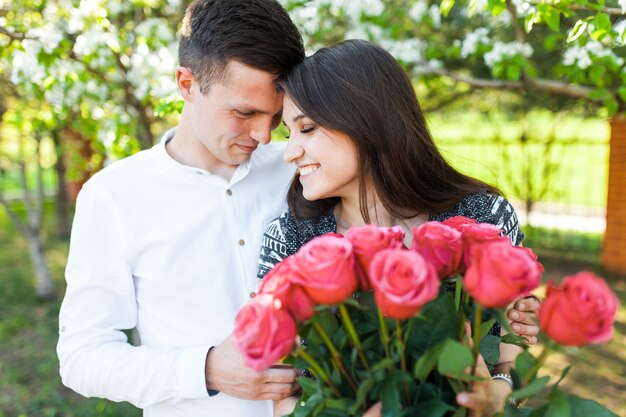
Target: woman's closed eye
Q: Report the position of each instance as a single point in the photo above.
(307, 129)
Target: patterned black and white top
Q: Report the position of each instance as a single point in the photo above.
(284, 236)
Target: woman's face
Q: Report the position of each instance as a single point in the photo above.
(326, 159)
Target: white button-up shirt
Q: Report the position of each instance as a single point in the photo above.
(170, 250)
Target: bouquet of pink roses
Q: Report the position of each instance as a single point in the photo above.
(378, 321)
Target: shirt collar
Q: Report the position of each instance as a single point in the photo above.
(240, 173)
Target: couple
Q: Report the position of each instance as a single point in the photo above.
(167, 241)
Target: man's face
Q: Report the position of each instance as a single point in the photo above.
(236, 114)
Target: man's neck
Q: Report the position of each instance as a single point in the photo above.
(185, 149)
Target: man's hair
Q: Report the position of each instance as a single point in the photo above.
(256, 33)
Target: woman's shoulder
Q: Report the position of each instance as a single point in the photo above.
(285, 234)
(486, 208)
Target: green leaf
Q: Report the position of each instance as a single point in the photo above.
(559, 405)
(446, 6)
(426, 363)
(496, 6)
(553, 19)
(563, 375)
(390, 397)
(454, 358)
(523, 364)
(534, 387)
(485, 326)
(602, 21)
(514, 339)
(436, 322)
(622, 92)
(581, 407)
(361, 395)
(513, 72)
(433, 408)
(597, 73)
(578, 29)
(490, 349)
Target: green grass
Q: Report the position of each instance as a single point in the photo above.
(30, 385)
(580, 154)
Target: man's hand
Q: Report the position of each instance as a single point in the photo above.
(226, 371)
(523, 317)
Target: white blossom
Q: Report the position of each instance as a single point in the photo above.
(407, 50)
(435, 15)
(473, 40)
(622, 4)
(418, 10)
(582, 56)
(503, 50)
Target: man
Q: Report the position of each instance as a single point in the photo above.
(167, 241)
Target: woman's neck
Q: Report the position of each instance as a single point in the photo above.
(348, 214)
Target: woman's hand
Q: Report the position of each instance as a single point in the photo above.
(285, 406)
(523, 317)
(488, 396)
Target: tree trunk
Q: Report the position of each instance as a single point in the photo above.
(43, 280)
(62, 203)
(614, 247)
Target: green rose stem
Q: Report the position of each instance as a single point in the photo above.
(335, 354)
(385, 332)
(540, 360)
(478, 317)
(345, 318)
(400, 340)
(465, 297)
(317, 370)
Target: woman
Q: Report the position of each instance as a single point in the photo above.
(364, 155)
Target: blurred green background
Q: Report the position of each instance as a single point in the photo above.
(517, 93)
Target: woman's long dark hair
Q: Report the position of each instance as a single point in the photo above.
(358, 88)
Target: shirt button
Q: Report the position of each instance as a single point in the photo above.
(229, 192)
(241, 242)
(199, 172)
(62, 328)
(252, 294)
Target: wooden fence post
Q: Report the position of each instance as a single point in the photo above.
(614, 247)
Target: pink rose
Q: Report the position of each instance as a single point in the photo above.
(367, 241)
(264, 332)
(581, 311)
(477, 234)
(458, 222)
(403, 282)
(441, 245)
(279, 284)
(326, 269)
(499, 273)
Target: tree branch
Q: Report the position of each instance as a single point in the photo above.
(612, 11)
(14, 36)
(529, 84)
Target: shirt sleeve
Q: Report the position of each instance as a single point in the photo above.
(95, 357)
(273, 247)
(503, 215)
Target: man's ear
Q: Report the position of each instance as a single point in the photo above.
(184, 80)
